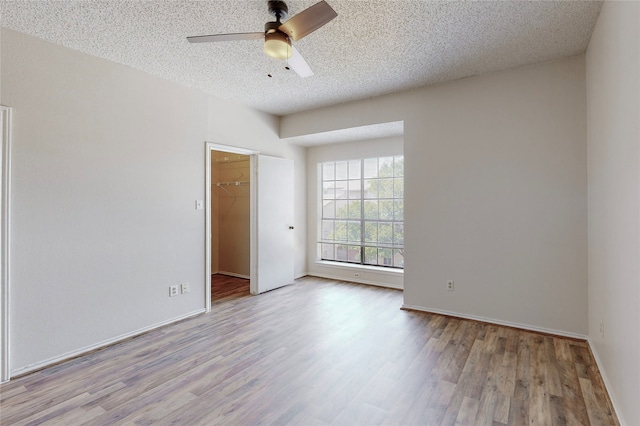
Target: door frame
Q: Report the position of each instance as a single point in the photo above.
(5, 214)
(209, 147)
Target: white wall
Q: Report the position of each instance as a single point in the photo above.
(336, 152)
(107, 164)
(613, 100)
(495, 192)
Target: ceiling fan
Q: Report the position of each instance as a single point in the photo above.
(277, 35)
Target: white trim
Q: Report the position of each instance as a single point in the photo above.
(359, 267)
(207, 227)
(210, 146)
(607, 384)
(253, 219)
(498, 322)
(233, 274)
(73, 354)
(356, 280)
(5, 228)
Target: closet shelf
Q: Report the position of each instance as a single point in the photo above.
(237, 159)
(234, 183)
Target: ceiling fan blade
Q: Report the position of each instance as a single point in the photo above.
(308, 20)
(297, 63)
(225, 37)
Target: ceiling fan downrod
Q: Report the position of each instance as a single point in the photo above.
(278, 9)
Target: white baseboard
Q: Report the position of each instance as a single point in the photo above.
(233, 274)
(607, 384)
(73, 354)
(355, 280)
(498, 322)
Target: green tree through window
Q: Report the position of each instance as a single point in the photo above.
(363, 211)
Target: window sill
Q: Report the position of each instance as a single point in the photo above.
(356, 267)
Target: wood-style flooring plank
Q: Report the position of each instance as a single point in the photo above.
(319, 352)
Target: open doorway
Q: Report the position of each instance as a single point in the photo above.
(230, 216)
(270, 250)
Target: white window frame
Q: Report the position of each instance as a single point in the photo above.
(396, 221)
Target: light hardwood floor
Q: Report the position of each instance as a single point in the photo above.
(314, 353)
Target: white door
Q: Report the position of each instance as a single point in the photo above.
(274, 224)
(5, 122)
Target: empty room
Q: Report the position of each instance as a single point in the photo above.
(340, 212)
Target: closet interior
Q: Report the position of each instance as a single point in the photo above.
(230, 215)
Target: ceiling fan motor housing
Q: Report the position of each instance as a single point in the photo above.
(278, 9)
(272, 27)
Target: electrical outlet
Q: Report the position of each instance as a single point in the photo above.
(184, 288)
(601, 328)
(356, 274)
(173, 291)
(450, 285)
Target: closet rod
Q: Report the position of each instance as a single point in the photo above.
(234, 183)
(239, 184)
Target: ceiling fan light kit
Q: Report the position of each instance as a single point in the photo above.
(276, 43)
(277, 35)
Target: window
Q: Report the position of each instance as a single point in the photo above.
(362, 211)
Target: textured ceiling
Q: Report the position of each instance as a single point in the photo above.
(371, 48)
(373, 131)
